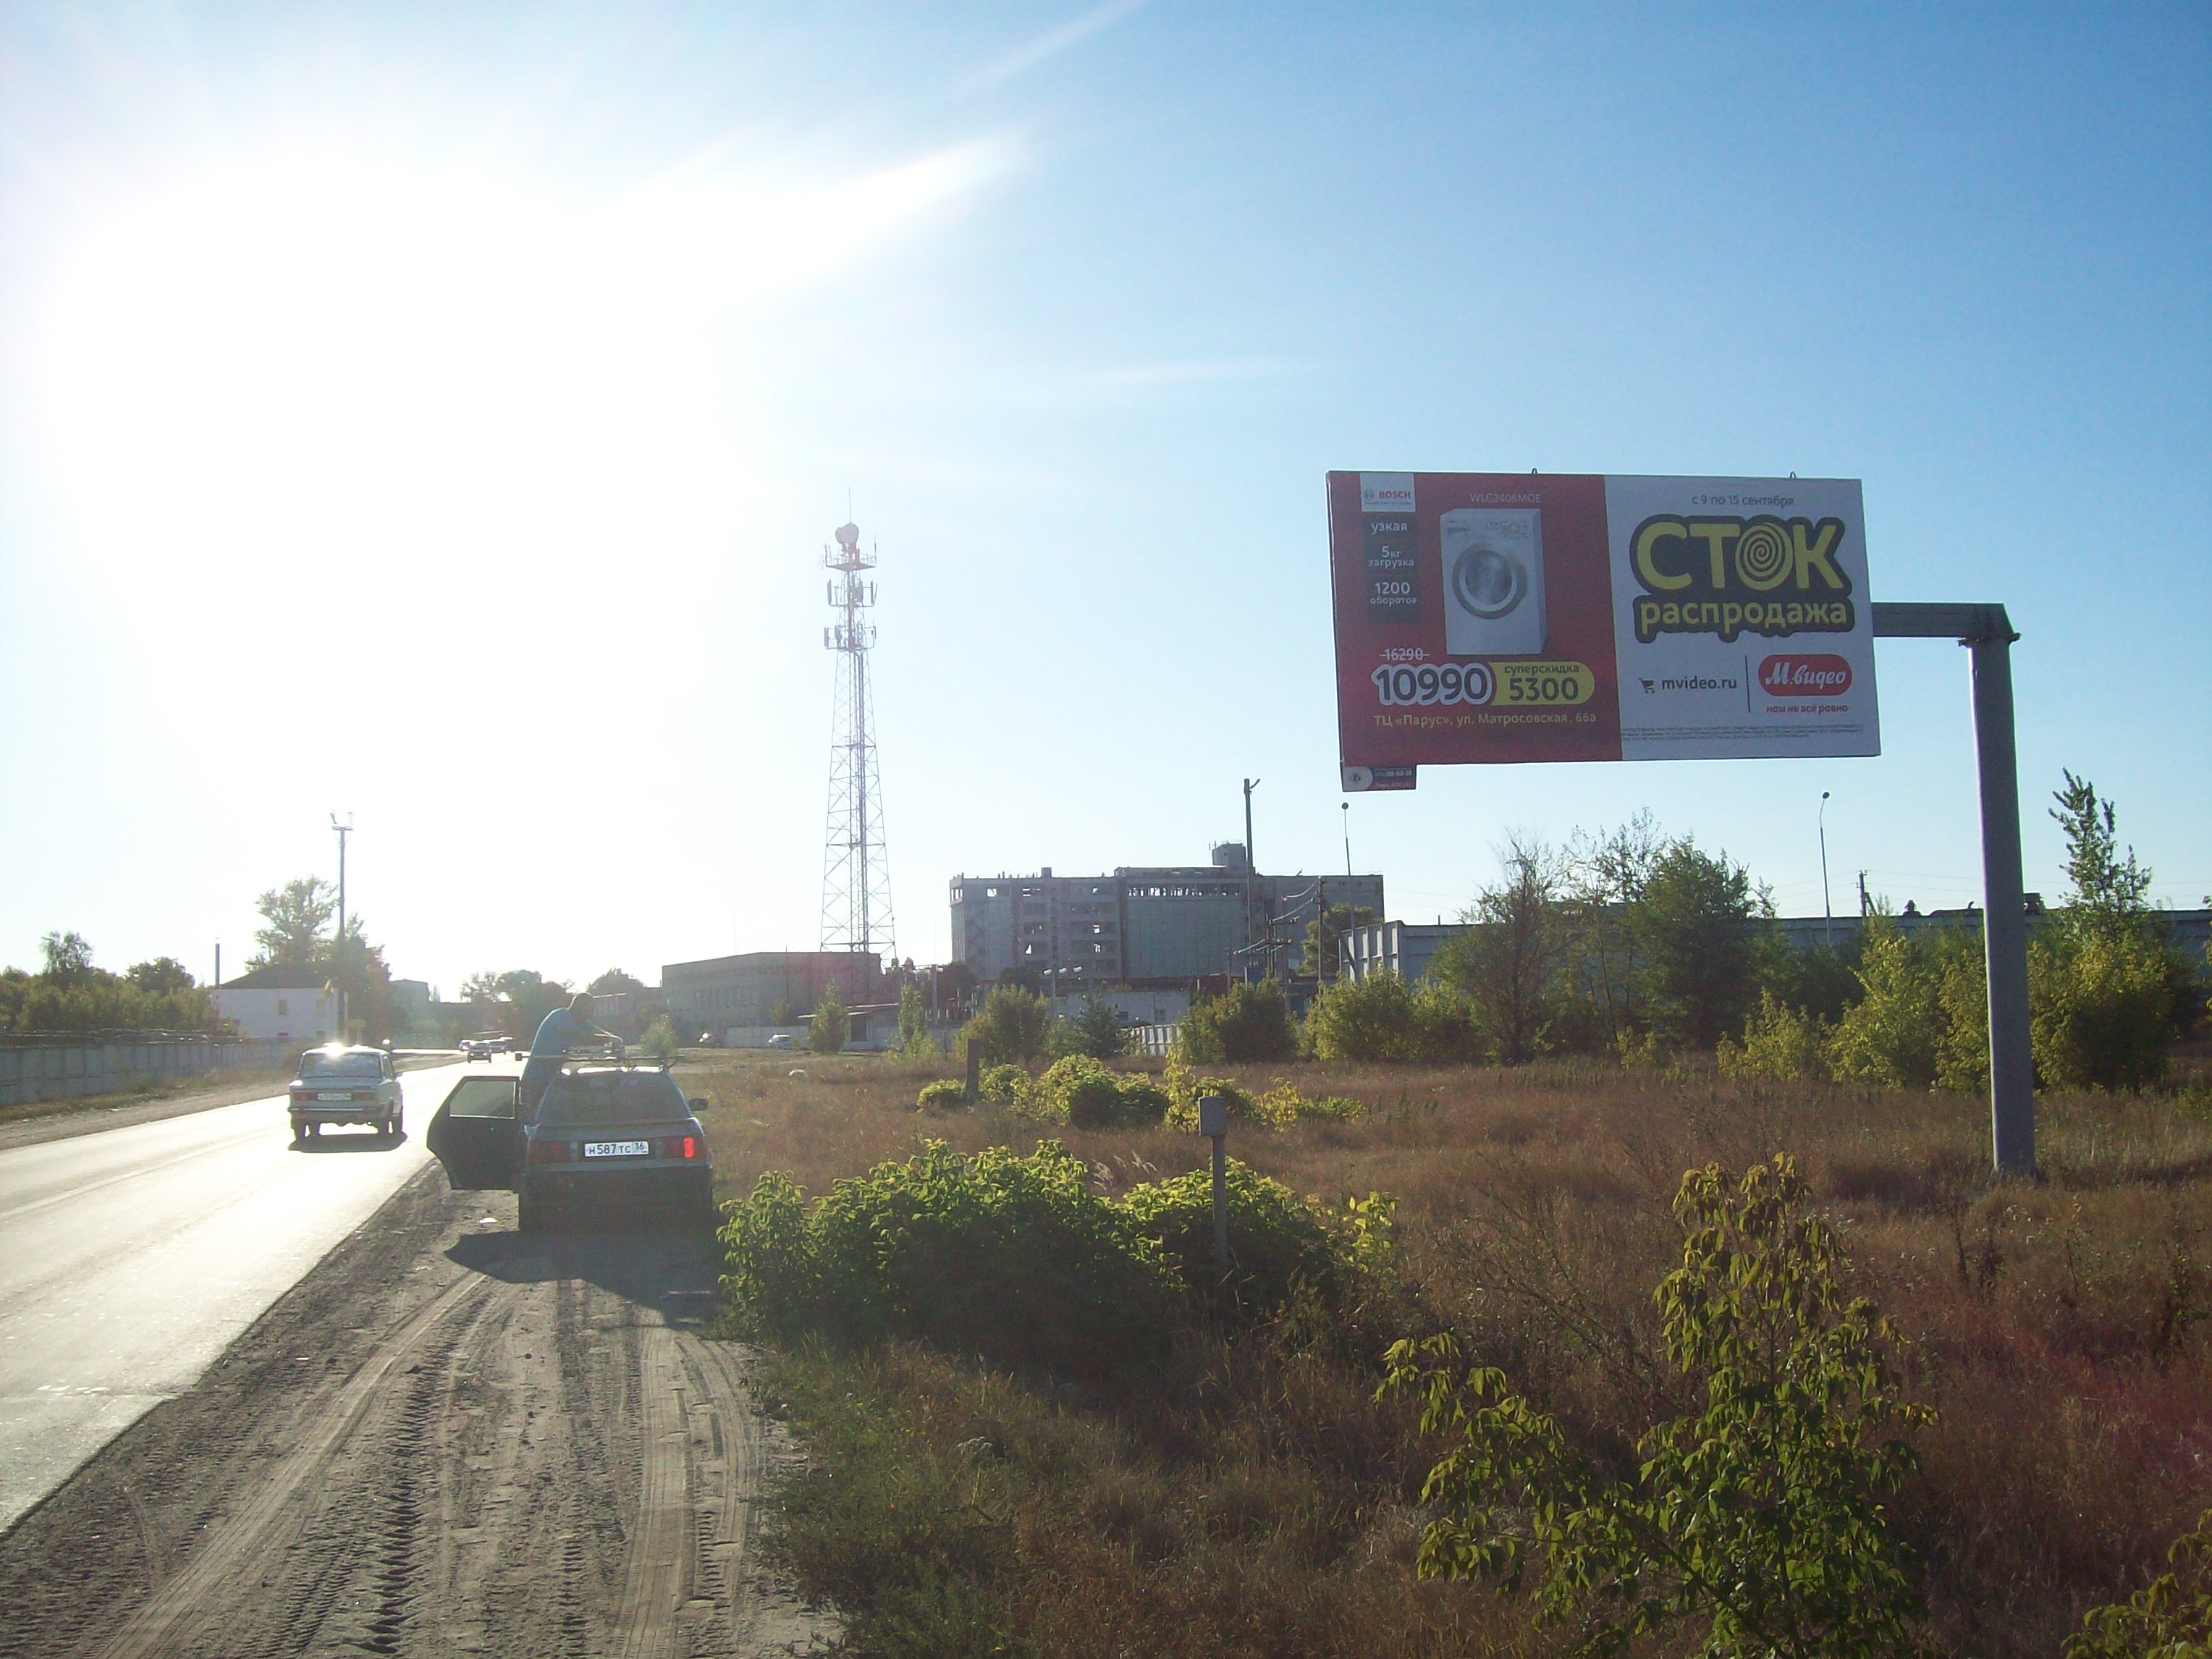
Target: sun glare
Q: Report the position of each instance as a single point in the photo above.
(287, 364)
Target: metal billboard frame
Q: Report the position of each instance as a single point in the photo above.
(1987, 632)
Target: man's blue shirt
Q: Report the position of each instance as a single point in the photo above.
(557, 1033)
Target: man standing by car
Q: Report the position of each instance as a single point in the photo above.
(559, 1032)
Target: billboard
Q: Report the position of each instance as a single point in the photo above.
(1519, 616)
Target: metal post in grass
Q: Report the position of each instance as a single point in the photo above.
(1987, 632)
(1213, 1124)
(975, 1071)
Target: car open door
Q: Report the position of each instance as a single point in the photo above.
(475, 1135)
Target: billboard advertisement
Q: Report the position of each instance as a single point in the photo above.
(1519, 616)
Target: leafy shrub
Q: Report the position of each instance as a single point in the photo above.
(1276, 1240)
(1921, 1019)
(831, 1026)
(1183, 1086)
(946, 1095)
(2166, 1616)
(659, 1039)
(1003, 1083)
(1762, 1514)
(1779, 1042)
(1693, 926)
(1342, 1108)
(1383, 1017)
(1014, 1023)
(1082, 1091)
(1094, 1030)
(1013, 1259)
(1250, 1023)
(2100, 1008)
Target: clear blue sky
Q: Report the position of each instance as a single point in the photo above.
(389, 397)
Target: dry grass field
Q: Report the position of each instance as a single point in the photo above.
(1256, 1499)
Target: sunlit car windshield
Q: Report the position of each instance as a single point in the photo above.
(315, 1063)
(599, 1097)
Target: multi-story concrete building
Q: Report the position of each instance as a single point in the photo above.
(1144, 925)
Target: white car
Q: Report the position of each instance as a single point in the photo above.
(780, 1040)
(339, 1085)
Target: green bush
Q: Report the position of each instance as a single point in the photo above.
(1016, 1260)
(1277, 1241)
(2099, 1007)
(1084, 1092)
(1003, 1083)
(831, 1026)
(1762, 1515)
(1921, 1019)
(1249, 1022)
(1094, 1030)
(946, 1095)
(1383, 1017)
(2170, 1617)
(1013, 1025)
(659, 1039)
(1182, 1086)
(1779, 1042)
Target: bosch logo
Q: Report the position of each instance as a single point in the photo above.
(1820, 676)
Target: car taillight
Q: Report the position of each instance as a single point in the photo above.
(680, 1146)
(547, 1152)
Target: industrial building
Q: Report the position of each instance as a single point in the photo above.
(722, 992)
(1145, 926)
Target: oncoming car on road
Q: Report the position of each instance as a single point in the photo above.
(606, 1138)
(338, 1085)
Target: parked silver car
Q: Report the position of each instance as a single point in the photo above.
(339, 1085)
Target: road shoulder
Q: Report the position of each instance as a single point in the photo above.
(448, 1438)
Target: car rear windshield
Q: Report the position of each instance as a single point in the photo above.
(315, 1063)
(598, 1098)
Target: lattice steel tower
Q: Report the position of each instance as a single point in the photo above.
(856, 883)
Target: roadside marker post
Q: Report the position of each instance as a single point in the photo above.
(1213, 1124)
(975, 1071)
(1987, 632)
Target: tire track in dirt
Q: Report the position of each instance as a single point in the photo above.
(653, 1572)
(229, 1568)
(449, 1439)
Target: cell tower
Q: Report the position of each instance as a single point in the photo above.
(856, 885)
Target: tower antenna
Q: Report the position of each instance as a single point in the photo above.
(856, 891)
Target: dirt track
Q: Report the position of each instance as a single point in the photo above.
(447, 1438)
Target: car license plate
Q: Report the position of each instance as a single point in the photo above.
(617, 1148)
(327, 1095)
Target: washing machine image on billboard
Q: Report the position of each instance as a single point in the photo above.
(1493, 559)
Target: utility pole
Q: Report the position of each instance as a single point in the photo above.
(1864, 906)
(344, 830)
(337, 950)
(1827, 915)
(1250, 868)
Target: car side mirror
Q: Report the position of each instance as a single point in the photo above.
(701, 1103)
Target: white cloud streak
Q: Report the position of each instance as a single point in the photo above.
(1050, 44)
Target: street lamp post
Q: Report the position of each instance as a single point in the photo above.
(1827, 914)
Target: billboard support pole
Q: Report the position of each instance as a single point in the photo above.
(1987, 632)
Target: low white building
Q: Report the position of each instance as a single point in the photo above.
(305, 1014)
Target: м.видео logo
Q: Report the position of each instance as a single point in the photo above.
(1815, 676)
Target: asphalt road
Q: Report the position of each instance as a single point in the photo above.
(131, 1258)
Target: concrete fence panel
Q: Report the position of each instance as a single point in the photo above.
(68, 1070)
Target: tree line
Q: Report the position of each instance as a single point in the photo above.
(1636, 944)
(70, 993)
